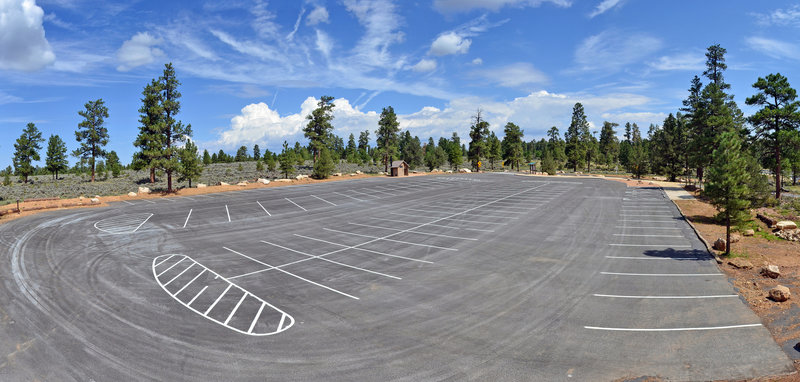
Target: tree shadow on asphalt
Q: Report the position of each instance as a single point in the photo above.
(680, 254)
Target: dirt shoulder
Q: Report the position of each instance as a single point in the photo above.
(28, 208)
(764, 248)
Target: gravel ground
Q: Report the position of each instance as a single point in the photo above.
(73, 186)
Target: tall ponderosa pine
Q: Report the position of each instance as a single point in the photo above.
(241, 154)
(206, 158)
(92, 133)
(256, 153)
(727, 182)
(150, 141)
(319, 127)
(478, 133)
(637, 161)
(190, 166)
(513, 153)
(777, 121)
(609, 144)
(556, 146)
(577, 136)
(411, 150)
(173, 132)
(667, 147)
(56, 159)
(26, 150)
(494, 149)
(386, 136)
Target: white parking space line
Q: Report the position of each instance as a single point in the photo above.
(392, 240)
(650, 221)
(127, 202)
(446, 218)
(148, 201)
(331, 261)
(365, 194)
(662, 274)
(180, 274)
(626, 234)
(298, 206)
(191, 281)
(162, 261)
(258, 315)
(351, 197)
(238, 304)
(171, 266)
(314, 196)
(473, 212)
(650, 215)
(218, 299)
(376, 188)
(653, 258)
(666, 297)
(227, 211)
(671, 329)
(145, 221)
(433, 225)
(187, 218)
(363, 249)
(652, 245)
(292, 274)
(262, 207)
(421, 233)
(644, 227)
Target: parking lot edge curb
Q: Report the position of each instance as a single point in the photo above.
(696, 232)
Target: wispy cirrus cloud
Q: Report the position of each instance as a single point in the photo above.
(449, 6)
(780, 17)
(605, 6)
(682, 61)
(774, 48)
(514, 75)
(612, 50)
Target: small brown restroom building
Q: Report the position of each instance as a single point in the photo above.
(399, 168)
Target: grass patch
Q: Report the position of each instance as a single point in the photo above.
(767, 235)
(735, 254)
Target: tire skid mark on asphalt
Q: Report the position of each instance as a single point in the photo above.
(181, 283)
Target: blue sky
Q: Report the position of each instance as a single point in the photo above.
(251, 70)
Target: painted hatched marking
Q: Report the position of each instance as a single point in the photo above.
(270, 328)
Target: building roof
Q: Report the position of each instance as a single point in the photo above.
(397, 163)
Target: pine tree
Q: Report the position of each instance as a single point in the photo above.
(575, 137)
(609, 144)
(478, 133)
(287, 160)
(351, 150)
(548, 163)
(386, 136)
(241, 154)
(494, 149)
(455, 154)
(190, 167)
(173, 132)
(56, 160)
(26, 150)
(324, 166)
(113, 164)
(207, 160)
(727, 182)
(667, 147)
(150, 140)
(256, 153)
(92, 133)
(271, 163)
(776, 121)
(512, 145)
(637, 161)
(319, 127)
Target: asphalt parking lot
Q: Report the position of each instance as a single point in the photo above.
(452, 277)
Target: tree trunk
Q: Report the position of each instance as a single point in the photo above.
(777, 170)
(728, 236)
(700, 175)
(152, 175)
(169, 181)
(92, 170)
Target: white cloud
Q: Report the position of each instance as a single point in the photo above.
(513, 75)
(535, 113)
(139, 50)
(450, 43)
(477, 61)
(780, 17)
(424, 65)
(381, 23)
(682, 61)
(774, 48)
(23, 45)
(604, 6)
(318, 15)
(324, 43)
(612, 50)
(492, 5)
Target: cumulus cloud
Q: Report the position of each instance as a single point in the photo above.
(774, 48)
(535, 112)
(139, 50)
(612, 50)
(23, 45)
(449, 43)
(604, 6)
(424, 65)
(318, 15)
(780, 17)
(492, 5)
(513, 75)
(477, 61)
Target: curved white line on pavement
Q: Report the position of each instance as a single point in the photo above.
(286, 320)
(124, 224)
